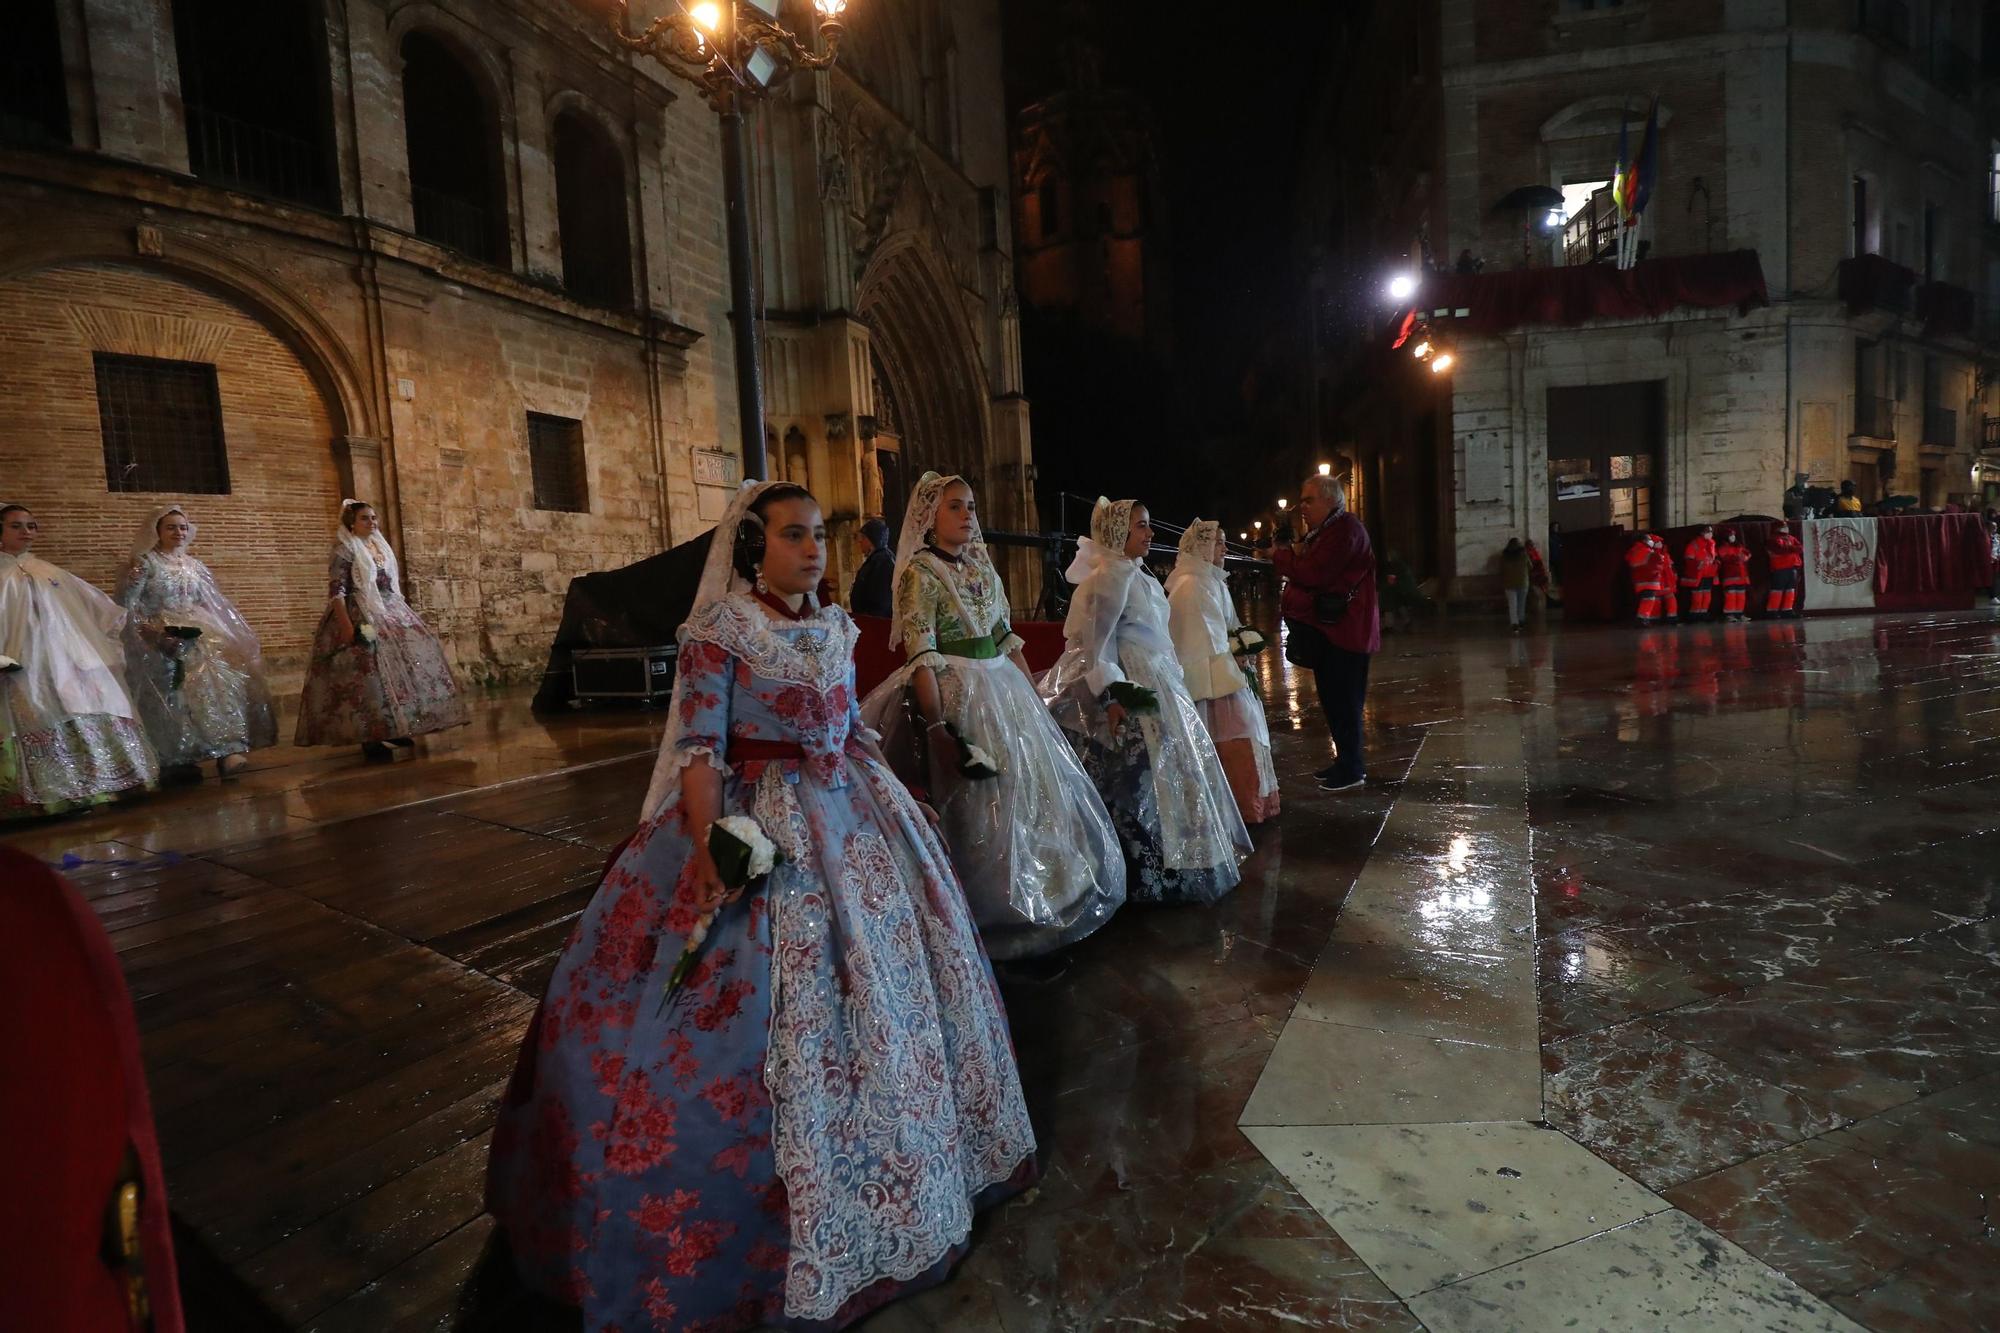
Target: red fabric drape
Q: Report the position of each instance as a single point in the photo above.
(1497, 302)
(1927, 562)
(875, 661)
(72, 1099)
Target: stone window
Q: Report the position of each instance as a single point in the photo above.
(591, 214)
(259, 112)
(555, 453)
(34, 105)
(162, 426)
(454, 146)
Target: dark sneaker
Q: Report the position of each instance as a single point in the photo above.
(1341, 784)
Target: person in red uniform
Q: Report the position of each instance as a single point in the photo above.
(1663, 570)
(1734, 559)
(1643, 562)
(1698, 570)
(1788, 563)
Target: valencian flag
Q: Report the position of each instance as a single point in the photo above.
(1632, 186)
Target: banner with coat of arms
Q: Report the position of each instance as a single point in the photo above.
(1840, 564)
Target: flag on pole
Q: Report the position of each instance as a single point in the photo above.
(1618, 170)
(1646, 163)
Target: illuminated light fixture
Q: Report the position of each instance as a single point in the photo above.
(1441, 363)
(1402, 287)
(1326, 469)
(1282, 504)
(1422, 350)
(1242, 536)
(1258, 524)
(708, 15)
(830, 9)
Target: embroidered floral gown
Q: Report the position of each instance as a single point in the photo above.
(1158, 773)
(220, 704)
(1034, 846)
(69, 735)
(399, 686)
(807, 1129)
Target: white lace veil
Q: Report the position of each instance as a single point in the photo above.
(148, 537)
(366, 557)
(1197, 553)
(919, 521)
(1110, 525)
(718, 580)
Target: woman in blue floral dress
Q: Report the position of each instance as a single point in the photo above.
(804, 1129)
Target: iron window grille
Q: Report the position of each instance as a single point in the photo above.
(162, 425)
(555, 453)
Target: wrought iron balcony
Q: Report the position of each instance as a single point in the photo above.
(455, 221)
(1940, 427)
(255, 158)
(1874, 417)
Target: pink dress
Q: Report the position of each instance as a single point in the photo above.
(400, 685)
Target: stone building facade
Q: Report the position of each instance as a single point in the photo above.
(466, 260)
(1842, 145)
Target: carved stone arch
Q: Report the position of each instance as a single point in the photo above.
(1593, 116)
(885, 60)
(469, 42)
(918, 329)
(569, 99)
(296, 324)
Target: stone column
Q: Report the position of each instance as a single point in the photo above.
(135, 77)
(380, 173)
(535, 153)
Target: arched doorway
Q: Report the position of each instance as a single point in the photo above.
(930, 404)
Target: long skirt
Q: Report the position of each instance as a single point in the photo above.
(398, 686)
(805, 1128)
(1034, 846)
(218, 706)
(1243, 743)
(51, 767)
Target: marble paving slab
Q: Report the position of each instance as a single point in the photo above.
(1662, 1272)
(1331, 1074)
(1426, 1205)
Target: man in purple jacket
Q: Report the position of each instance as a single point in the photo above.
(1331, 617)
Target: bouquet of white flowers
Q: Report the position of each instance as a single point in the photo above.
(742, 854)
(366, 634)
(1247, 642)
(973, 762)
(8, 664)
(180, 636)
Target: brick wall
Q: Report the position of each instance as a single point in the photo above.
(267, 540)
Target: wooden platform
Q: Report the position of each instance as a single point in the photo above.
(328, 1019)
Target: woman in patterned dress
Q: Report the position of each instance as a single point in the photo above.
(1156, 769)
(378, 675)
(1202, 616)
(69, 736)
(201, 697)
(1033, 845)
(803, 1130)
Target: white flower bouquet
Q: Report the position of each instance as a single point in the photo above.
(1247, 642)
(973, 762)
(8, 664)
(367, 633)
(180, 636)
(742, 855)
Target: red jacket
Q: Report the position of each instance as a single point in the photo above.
(1337, 557)
(1785, 551)
(1735, 560)
(1698, 561)
(1645, 566)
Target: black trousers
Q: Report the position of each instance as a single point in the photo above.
(1342, 679)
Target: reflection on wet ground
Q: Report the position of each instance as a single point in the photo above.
(1736, 885)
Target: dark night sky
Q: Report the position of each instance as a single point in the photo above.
(1229, 120)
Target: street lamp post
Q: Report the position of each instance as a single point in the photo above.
(733, 50)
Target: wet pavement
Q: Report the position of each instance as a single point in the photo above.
(1654, 983)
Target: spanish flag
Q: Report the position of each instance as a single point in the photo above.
(1632, 187)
